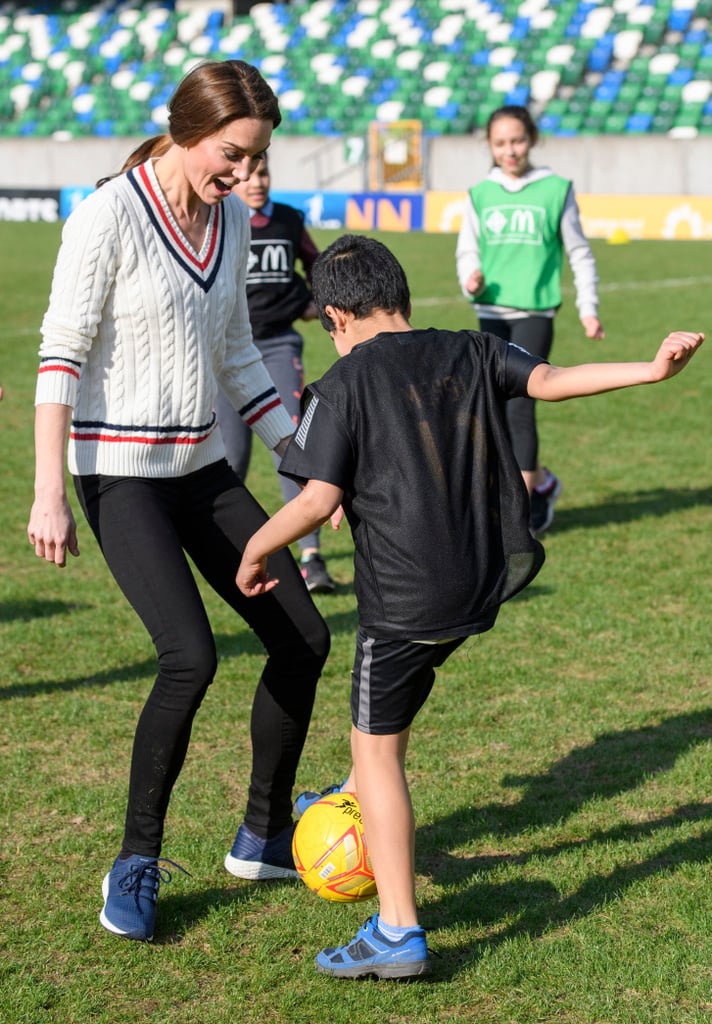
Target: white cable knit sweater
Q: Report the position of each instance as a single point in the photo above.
(140, 328)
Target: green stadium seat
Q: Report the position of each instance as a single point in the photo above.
(615, 124)
(663, 121)
(571, 122)
(593, 124)
(330, 62)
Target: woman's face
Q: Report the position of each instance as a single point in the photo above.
(509, 143)
(216, 164)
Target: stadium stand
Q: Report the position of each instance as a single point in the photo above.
(630, 66)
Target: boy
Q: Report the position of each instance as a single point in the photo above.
(408, 432)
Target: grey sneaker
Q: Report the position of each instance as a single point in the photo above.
(543, 500)
(315, 575)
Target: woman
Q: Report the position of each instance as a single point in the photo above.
(277, 295)
(509, 255)
(147, 315)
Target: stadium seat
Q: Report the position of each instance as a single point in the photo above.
(582, 65)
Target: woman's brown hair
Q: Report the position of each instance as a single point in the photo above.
(215, 93)
(210, 96)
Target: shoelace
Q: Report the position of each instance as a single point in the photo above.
(133, 881)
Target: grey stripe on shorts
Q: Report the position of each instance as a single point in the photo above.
(364, 685)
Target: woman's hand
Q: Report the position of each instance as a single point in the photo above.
(52, 531)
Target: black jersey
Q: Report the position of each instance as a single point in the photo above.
(277, 294)
(411, 426)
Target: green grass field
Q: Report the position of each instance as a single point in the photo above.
(560, 771)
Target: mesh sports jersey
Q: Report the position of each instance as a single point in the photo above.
(411, 426)
(277, 294)
(520, 242)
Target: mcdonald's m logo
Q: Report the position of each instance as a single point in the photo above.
(514, 223)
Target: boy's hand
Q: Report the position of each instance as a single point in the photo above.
(252, 576)
(675, 353)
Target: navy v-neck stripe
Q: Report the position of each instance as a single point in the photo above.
(149, 204)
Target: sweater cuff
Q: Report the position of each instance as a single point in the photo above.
(273, 425)
(57, 384)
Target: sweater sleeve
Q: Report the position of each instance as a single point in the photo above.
(580, 257)
(243, 376)
(83, 275)
(467, 252)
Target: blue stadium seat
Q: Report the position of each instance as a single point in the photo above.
(581, 65)
(639, 122)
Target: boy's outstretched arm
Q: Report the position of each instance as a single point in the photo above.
(302, 515)
(555, 383)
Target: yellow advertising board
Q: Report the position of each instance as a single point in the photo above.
(672, 217)
(443, 211)
(602, 216)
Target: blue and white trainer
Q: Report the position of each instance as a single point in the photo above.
(305, 800)
(130, 891)
(257, 858)
(371, 953)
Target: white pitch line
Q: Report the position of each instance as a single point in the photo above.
(606, 286)
(433, 300)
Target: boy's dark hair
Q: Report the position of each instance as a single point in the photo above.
(359, 275)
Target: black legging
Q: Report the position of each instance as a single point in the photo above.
(144, 528)
(536, 335)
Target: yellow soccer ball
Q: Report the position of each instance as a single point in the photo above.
(330, 851)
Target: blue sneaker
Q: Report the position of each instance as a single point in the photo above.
(257, 858)
(370, 952)
(305, 800)
(130, 891)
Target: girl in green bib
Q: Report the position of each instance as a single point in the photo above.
(517, 225)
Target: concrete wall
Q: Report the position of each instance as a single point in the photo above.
(624, 165)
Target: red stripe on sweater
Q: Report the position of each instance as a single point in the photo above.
(260, 413)
(138, 439)
(59, 369)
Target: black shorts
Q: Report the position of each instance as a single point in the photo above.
(391, 681)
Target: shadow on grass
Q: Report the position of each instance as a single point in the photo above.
(229, 645)
(108, 677)
(538, 906)
(182, 912)
(615, 763)
(36, 608)
(628, 506)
